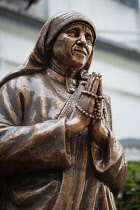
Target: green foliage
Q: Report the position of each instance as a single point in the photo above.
(129, 198)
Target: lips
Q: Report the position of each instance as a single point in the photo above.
(83, 52)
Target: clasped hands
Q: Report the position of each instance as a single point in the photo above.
(96, 127)
(89, 111)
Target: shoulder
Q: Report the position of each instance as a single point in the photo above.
(9, 85)
(22, 81)
(26, 84)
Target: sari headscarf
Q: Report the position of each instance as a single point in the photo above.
(41, 54)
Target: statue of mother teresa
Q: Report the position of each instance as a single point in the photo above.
(57, 147)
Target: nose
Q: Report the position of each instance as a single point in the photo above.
(82, 40)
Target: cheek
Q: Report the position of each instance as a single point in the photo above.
(58, 49)
(67, 44)
(62, 47)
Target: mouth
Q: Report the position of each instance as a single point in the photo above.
(80, 51)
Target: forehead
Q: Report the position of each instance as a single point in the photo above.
(80, 26)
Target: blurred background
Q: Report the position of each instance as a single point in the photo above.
(116, 55)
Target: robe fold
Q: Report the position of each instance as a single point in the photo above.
(40, 169)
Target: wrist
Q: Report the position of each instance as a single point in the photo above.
(73, 126)
(99, 133)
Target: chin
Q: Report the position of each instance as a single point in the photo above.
(80, 65)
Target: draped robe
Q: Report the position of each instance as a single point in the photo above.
(41, 169)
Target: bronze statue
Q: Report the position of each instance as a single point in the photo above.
(57, 148)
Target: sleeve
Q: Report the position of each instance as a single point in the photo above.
(29, 148)
(109, 161)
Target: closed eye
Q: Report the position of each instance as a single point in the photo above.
(73, 33)
(89, 38)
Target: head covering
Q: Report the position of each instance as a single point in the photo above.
(40, 56)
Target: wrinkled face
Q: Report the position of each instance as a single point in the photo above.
(73, 46)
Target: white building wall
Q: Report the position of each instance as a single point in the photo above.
(16, 43)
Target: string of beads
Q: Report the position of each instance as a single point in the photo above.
(97, 115)
(92, 94)
(84, 111)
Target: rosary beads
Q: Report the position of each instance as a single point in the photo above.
(97, 115)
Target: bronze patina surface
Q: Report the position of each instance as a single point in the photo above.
(57, 147)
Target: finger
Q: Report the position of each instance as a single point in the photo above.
(94, 88)
(100, 88)
(88, 82)
(99, 75)
(92, 82)
(95, 85)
